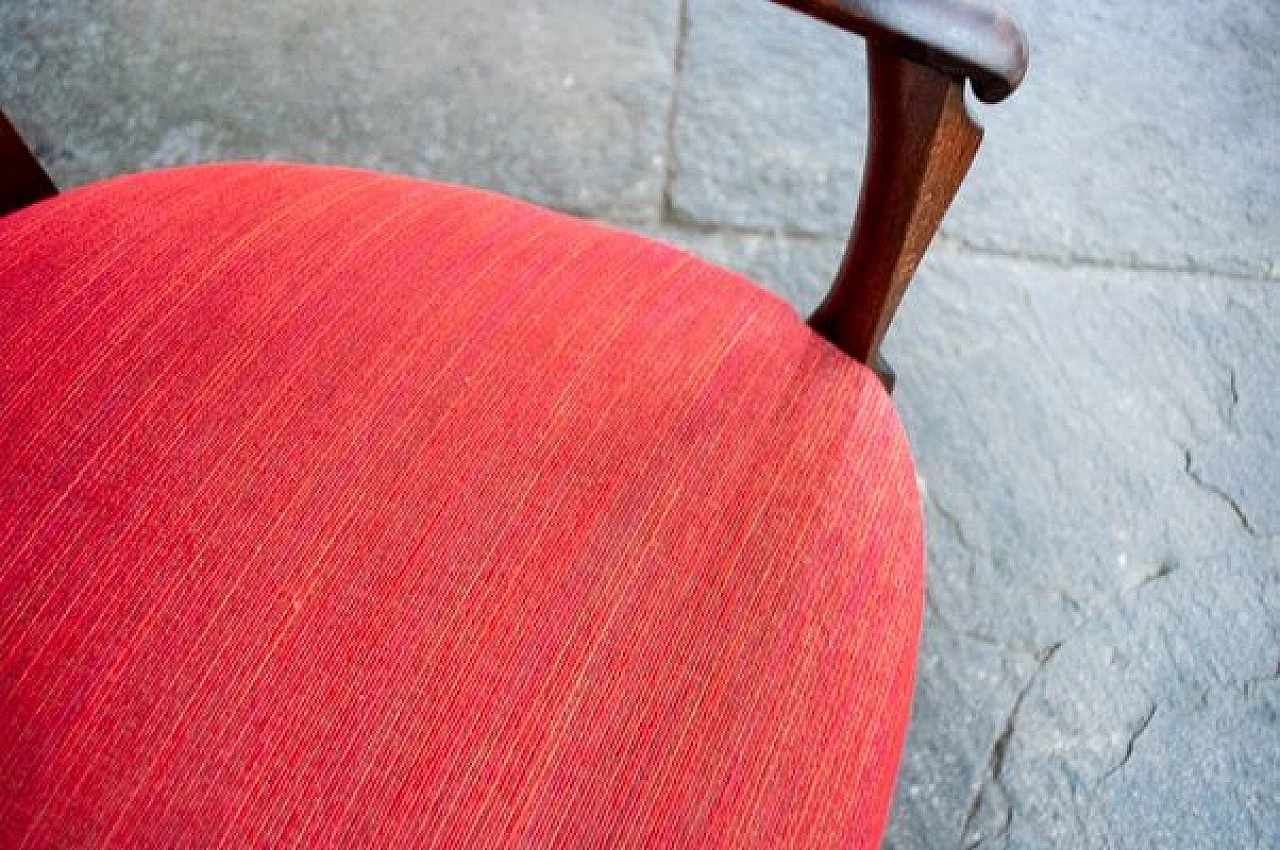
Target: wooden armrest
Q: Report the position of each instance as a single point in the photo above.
(22, 180)
(968, 38)
(922, 143)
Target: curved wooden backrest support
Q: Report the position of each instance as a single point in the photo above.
(922, 143)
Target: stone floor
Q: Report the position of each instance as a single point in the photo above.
(1088, 364)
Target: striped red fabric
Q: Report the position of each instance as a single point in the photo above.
(347, 510)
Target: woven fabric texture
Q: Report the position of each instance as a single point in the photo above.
(347, 510)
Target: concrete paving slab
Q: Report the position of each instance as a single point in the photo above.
(1145, 134)
(564, 102)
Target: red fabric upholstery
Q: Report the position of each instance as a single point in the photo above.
(347, 510)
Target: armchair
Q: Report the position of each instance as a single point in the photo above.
(343, 509)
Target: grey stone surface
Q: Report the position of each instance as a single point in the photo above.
(770, 120)
(1097, 435)
(564, 102)
(1146, 133)
(965, 689)
(1155, 725)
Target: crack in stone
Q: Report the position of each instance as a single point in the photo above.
(1235, 394)
(1250, 684)
(1164, 569)
(1210, 487)
(977, 636)
(957, 527)
(993, 774)
(1133, 740)
(1233, 390)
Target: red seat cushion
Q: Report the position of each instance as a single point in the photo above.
(347, 510)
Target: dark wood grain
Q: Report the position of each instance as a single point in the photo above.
(922, 144)
(974, 39)
(22, 180)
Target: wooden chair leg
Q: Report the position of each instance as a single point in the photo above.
(22, 180)
(922, 143)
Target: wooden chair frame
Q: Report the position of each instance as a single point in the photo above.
(922, 143)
